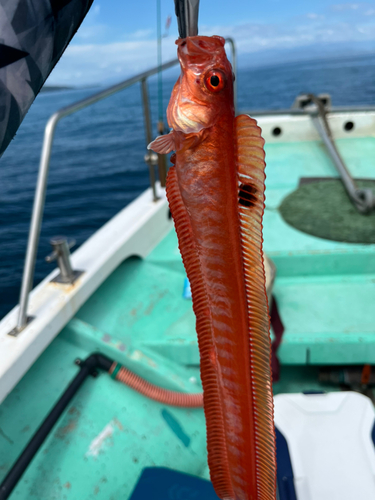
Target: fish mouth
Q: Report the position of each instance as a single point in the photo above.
(200, 49)
(191, 108)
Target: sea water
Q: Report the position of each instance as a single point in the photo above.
(97, 165)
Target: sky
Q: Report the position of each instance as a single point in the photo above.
(118, 37)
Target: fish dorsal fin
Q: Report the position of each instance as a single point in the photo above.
(163, 144)
(250, 171)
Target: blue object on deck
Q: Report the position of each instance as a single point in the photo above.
(160, 483)
(187, 290)
(285, 480)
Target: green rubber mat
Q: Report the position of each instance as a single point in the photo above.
(323, 209)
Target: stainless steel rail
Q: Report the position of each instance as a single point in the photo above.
(40, 190)
(362, 198)
(234, 67)
(302, 112)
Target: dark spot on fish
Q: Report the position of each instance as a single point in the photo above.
(183, 44)
(246, 203)
(173, 158)
(248, 188)
(197, 80)
(247, 196)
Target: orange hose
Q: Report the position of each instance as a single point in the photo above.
(154, 392)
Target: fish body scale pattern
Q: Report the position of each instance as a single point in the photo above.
(216, 196)
(203, 326)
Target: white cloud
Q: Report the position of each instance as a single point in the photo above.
(255, 37)
(95, 63)
(313, 15)
(139, 34)
(359, 9)
(89, 63)
(91, 28)
(87, 32)
(345, 6)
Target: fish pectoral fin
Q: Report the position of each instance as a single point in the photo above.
(163, 144)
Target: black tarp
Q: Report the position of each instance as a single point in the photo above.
(33, 36)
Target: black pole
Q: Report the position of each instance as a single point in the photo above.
(87, 367)
(187, 17)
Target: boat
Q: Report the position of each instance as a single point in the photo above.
(116, 310)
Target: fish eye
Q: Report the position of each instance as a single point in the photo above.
(214, 80)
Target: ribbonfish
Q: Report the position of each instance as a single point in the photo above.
(216, 195)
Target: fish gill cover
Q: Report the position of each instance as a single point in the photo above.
(33, 36)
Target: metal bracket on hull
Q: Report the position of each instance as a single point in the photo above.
(61, 253)
(15, 331)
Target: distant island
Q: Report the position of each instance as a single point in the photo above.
(55, 88)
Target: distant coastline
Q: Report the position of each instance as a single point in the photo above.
(55, 88)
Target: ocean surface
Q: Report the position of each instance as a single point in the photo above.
(97, 164)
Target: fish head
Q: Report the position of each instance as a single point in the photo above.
(205, 87)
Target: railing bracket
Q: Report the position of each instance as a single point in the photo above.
(61, 253)
(16, 330)
(317, 106)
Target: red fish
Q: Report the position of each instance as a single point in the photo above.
(216, 196)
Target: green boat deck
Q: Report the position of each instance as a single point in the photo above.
(325, 291)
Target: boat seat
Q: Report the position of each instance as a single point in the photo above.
(325, 446)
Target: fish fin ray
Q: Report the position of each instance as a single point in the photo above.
(250, 171)
(217, 452)
(163, 144)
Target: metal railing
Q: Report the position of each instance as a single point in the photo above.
(41, 186)
(318, 107)
(300, 112)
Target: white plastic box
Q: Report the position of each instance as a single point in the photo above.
(330, 440)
